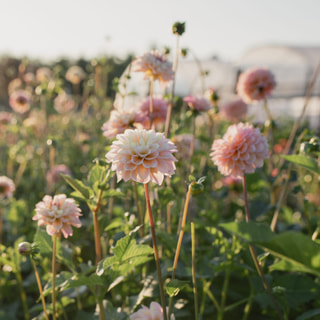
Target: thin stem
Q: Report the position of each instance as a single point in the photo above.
(1, 225)
(170, 106)
(54, 271)
(140, 215)
(156, 253)
(23, 295)
(191, 151)
(181, 233)
(40, 288)
(254, 254)
(193, 255)
(96, 237)
(151, 115)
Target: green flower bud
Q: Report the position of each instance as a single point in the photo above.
(179, 28)
(196, 188)
(25, 248)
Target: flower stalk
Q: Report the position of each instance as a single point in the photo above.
(193, 257)
(54, 271)
(156, 252)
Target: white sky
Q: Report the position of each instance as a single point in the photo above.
(89, 28)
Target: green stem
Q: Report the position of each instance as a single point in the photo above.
(193, 255)
(181, 233)
(54, 271)
(23, 295)
(170, 106)
(254, 254)
(140, 215)
(156, 253)
(40, 288)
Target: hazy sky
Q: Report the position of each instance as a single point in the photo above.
(227, 28)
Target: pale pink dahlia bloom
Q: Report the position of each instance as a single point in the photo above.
(155, 66)
(241, 150)
(142, 155)
(20, 101)
(121, 120)
(159, 113)
(7, 187)
(54, 174)
(255, 84)
(63, 102)
(199, 104)
(234, 110)
(155, 312)
(58, 214)
(75, 74)
(44, 74)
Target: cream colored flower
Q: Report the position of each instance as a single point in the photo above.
(58, 214)
(75, 74)
(155, 66)
(242, 150)
(155, 312)
(44, 74)
(142, 155)
(7, 187)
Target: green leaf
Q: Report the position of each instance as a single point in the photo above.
(173, 287)
(44, 241)
(297, 250)
(311, 314)
(304, 161)
(78, 186)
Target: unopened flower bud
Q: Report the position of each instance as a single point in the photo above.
(25, 248)
(197, 188)
(184, 52)
(179, 28)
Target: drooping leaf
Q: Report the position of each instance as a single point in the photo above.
(78, 186)
(298, 251)
(173, 287)
(304, 161)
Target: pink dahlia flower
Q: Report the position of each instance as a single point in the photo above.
(159, 114)
(121, 120)
(255, 84)
(183, 143)
(53, 175)
(142, 155)
(155, 66)
(44, 74)
(234, 110)
(155, 312)
(20, 101)
(7, 187)
(198, 103)
(241, 150)
(63, 102)
(58, 214)
(75, 74)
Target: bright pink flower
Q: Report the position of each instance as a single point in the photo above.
(63, 102)
(58, 214)
(142, 155)
(7, 187)
(242, 150)
(155, 66)
(155, 312)
(121, 120)
(234, 110)
(20, 101)
(198, 103)
(75, 74)
(159, 114)
(255, 84)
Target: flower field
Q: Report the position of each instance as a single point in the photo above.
(172, 207)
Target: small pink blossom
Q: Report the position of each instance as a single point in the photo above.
(7, 187)
(255, 84)
(20, 101)
(241, 150)
(234, 110)
(199, 104)
(155, 66)
(142, 155)
(63, 102)
(53, 175)
(75, 74)
(159, 113)
(58, 214)
(155, 312)
(121, 120)
(5, 118)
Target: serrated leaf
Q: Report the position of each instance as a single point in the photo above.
(173, 287)
(78, 186)
(298, 251)
(304, 161)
